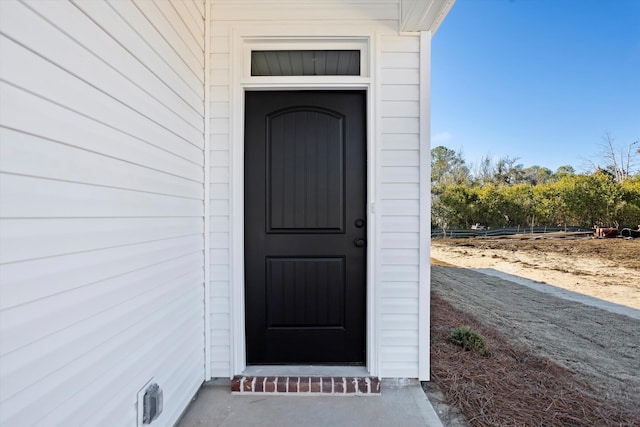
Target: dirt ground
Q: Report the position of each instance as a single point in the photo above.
(608, 269)
(601, 348)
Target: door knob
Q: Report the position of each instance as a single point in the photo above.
(359, 223)
(359, 243)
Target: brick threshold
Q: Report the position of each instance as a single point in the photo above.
(306, 385)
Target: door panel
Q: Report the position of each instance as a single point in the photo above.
(305, 292)
(305, 171)
(305, 198)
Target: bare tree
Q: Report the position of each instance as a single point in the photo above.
(619, 160)
(484, 171)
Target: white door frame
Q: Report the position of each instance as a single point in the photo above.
(242, 40)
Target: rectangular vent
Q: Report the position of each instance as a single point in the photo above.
(152, 405)
(149, 403)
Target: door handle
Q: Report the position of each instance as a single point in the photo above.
(359, 243)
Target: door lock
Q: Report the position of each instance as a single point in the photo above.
(359, 243)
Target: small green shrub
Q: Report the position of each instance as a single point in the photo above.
(469, 339)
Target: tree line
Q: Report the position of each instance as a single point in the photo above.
(506, 194)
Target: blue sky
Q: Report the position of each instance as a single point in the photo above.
(541, 80)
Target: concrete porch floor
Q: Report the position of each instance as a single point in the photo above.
(402, 402)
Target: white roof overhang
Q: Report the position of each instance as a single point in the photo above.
(423, 15)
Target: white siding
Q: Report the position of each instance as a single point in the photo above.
(395, 92)
(400, 200)
(295, 11)
(101, 220)
(220, 203)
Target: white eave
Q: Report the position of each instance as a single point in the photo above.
(423, 15)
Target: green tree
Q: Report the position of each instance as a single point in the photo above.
(492, 206)
(508, 172)
(448, 167)
(591, 199)
(629, 206)
(522, 204)
(455, 207)
(535, 175)
(448, 172)
(552, 210)
(565, 170)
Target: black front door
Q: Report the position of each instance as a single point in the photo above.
(305, 228)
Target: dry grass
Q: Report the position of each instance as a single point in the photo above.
(512, 387)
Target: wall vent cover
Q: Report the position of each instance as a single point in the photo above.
(151, 403)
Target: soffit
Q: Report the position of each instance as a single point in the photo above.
(423, 15)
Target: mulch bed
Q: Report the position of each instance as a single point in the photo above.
(512, 387)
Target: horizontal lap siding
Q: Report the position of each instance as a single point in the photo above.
(294, 11)
(220, 226)
(400, 199)
(101, 221)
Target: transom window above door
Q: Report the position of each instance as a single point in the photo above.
(305, 62)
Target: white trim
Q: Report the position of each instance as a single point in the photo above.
(374, 169)
(424, 313)
(241, 41)
(207, 193)
(236, 205)
(282, 82)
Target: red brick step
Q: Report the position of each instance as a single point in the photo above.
(306, 385)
